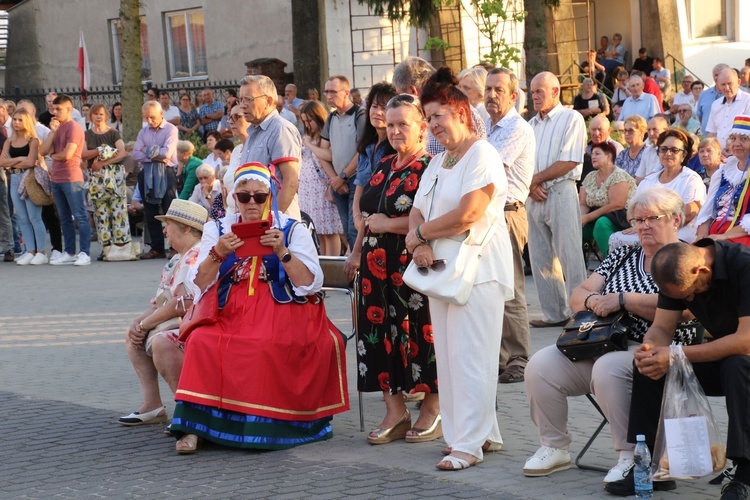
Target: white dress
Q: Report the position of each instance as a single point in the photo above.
(467, 338)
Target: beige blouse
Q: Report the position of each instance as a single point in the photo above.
(598, 196)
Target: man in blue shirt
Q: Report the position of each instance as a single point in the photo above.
(707, 98)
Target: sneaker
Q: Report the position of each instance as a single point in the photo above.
(64, 260)
(626, 487)
(39, 259)
(620, 470)
(735, 490)
(25, 259)
(54, 256)
(547, 460)
(82, 260)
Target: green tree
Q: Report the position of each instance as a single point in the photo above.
(130, 62)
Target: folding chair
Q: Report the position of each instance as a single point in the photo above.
(334, 280)
(592, 438)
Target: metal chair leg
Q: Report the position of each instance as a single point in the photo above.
(592, 439)
(355, 323)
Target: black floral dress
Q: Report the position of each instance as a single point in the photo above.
(395, 351)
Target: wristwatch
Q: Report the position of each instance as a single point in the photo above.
(343, 176)
(286, 257)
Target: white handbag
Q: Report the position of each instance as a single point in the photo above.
(451, 276)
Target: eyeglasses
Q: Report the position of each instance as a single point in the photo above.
(437, 265)
(233, 119)
(664, 150)
(250, 100)
(683, 111)
(629, 130)
(637, 221)
(404, 98)
(259, 198)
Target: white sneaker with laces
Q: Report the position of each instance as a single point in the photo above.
(54, 256)
(547, 460)
(24, 259)
(64, 260)
(82, 260)
(39, 259)
(619, 471)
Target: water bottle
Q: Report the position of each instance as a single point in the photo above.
(644, 487)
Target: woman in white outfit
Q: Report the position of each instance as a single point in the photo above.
(622, 281)
(462, 195)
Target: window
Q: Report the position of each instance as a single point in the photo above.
(186, 44)
(708, 18)
(115, 30)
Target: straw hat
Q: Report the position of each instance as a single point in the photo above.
(186, 212)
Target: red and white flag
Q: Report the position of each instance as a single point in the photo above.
(83, 65)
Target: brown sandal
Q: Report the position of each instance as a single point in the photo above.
(187, 444)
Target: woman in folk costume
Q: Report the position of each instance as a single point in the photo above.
(267, 371)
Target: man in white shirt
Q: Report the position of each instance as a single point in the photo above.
(171, 113)
(685, 96)
(284, 112)
(514, 139)
(724, 110)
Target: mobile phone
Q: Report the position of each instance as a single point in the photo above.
(250, 233)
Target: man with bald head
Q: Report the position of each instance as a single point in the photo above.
(707, 98)
(723, 111)
(599, 130)
(639, 103)
(554, 217)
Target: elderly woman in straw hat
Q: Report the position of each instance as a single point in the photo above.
(152, 340)
(268, 371)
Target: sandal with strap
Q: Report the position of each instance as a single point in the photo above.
(187, 444)
(454, 463)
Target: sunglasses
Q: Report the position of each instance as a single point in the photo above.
(406, 99)
(437, 265)
(259, 198)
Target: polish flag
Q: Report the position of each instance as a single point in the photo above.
(83, 66)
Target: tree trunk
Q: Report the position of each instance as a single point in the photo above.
(535, 39)
(130, 63)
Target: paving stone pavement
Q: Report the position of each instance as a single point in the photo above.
(65, 378)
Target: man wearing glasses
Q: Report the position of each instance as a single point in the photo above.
(271, 140)
(341, 132)
(686, 96)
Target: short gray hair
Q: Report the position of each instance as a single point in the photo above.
(264, 84)
(412, 71)
(205, 169)
(513, 85)
(658, 199)
(152, 104)
(477, 76)
(184, 146)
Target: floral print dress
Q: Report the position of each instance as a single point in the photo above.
(395, 351)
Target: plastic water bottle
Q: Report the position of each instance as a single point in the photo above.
(644, 487)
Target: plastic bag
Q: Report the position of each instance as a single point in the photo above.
(687, 427)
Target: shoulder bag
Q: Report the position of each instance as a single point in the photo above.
(452, 274)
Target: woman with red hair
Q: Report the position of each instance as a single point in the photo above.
(462, 197)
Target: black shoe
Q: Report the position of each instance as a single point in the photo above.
(735, 490)
(626, 487)
(9, 256)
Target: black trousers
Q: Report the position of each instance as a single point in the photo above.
(729, 377)
(52, 223)
(151, 210)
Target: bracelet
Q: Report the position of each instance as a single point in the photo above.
(358, 214)
(586, 300)
(419, 234)
(215, 256)
(621, 298)
(140, 325)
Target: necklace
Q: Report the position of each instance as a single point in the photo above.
(451, 160)
(398, 168)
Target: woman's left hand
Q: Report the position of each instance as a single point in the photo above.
(97, 165)
(604, 305)
(274, 238)
(378, 223)
(412, 241)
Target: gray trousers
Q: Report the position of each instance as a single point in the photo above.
(555, 249)
(6, 227)
(516, 345)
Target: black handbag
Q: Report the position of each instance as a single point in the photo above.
(588, 336)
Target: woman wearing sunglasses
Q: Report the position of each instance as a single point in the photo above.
(395, 353)
(269, 372)
(462, 196)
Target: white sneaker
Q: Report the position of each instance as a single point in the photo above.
(82, 260)
(39, 259)
(55, 255)
(64, 260)
(547, 460)
(619, 471)
(24, 259)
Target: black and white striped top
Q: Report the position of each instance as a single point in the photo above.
(623, 272)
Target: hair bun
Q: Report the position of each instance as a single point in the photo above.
(445, 75)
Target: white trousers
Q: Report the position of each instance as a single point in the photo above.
(551, 378)
(467, 350)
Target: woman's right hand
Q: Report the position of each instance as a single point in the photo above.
(423, 256)
(227, 244)
(136, 335)
(352, 265)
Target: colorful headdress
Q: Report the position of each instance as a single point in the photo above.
(741, 125)
(255, 171)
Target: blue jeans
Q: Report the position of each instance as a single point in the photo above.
(29, 217)
(69, 202)
(344, 205)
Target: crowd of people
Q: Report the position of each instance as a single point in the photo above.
(384, 179)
